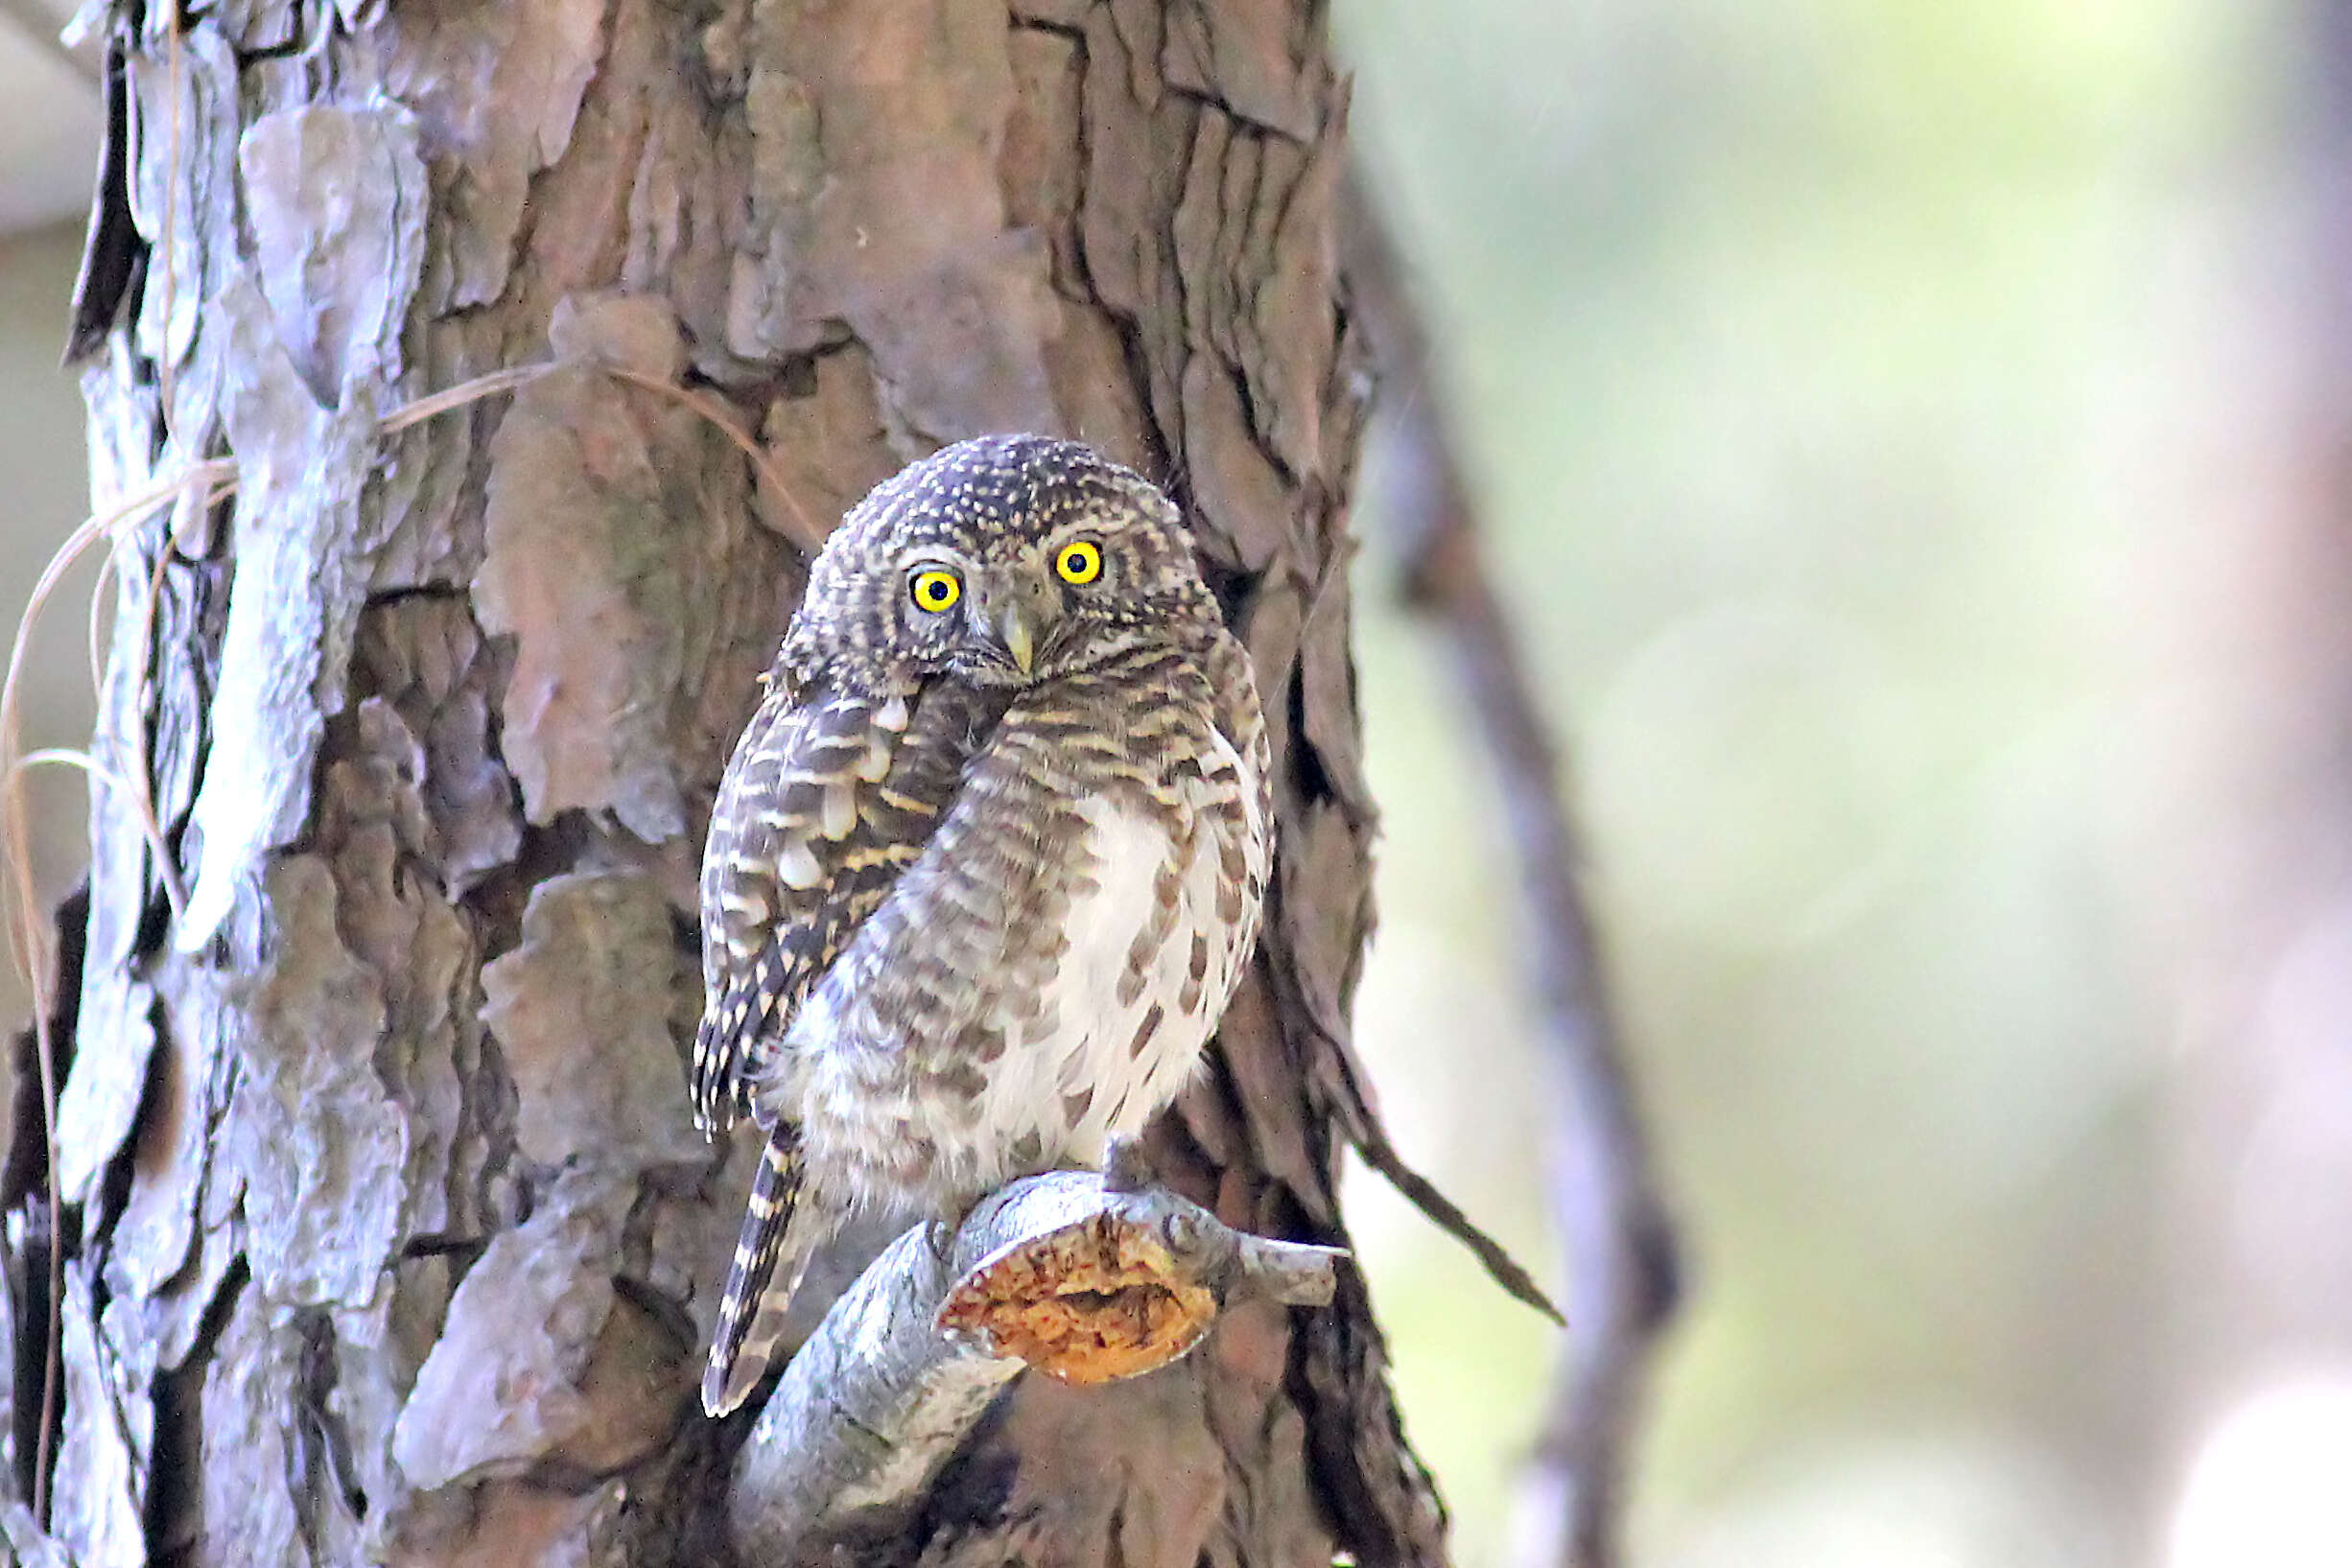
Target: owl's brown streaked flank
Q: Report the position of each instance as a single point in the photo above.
(988, 860)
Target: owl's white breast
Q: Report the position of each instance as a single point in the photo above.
(1084, 1080)
(1090, 1045)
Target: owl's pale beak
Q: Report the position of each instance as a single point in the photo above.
(1018, 614)
(1019, 640)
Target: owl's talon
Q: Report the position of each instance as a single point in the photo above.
(1125, 1166)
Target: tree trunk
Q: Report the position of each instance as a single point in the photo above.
(386, 1234)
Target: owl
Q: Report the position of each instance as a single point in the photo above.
(987, 862)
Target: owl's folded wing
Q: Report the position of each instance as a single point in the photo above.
(828, 799)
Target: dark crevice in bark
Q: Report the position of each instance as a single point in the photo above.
(26, 1174)
(37, 1252)
(428, 593)
(250, 55)
(663, 1309)
(322, 1442)
(974, 1491)
(1163, 465)
(428, 1244)
(114, 255)
(32, 1328)
(175, 1482)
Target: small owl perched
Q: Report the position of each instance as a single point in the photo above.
(987, 862)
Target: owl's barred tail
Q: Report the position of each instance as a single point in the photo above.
(770, 1255)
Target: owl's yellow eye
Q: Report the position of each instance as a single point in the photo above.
(936, 591)
(1079, 562)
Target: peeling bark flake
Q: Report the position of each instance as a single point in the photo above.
(100, 1482)
(102, 1091)
(300, 582)
(540, 1358)
(580, 570)
(337, 201)
(582, 1012)
(497, 90)
(320, 1141)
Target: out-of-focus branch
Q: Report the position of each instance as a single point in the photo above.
(1077, 1275)
(1623, 1279)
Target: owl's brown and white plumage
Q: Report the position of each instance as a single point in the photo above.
(987, 862)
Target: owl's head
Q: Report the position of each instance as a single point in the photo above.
(1004, 560)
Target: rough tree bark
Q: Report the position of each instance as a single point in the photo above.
(385, 1236)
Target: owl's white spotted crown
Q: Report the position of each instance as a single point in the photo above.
(1003, 559)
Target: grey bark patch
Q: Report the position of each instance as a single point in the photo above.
(497, 90)
(122, 879)
(340, 262)
(173, 1317)
(583, 1010)
(1291, 332)
(961, 348)
(335, 198)
(637, 332)
(99, 1481)
(1244, 511)
(251, 1391)
(422, 950)
(102, 1092)
(423, 953)
(376, 1354)
(1321, 851)
(423, 655)
(1271, 628)
(1244, 55)
(1326, 691)
(875, 201)
(829, 444)
(581, 1375)
(320, 1142)
(582, 570)
(300, 582)
(177, 196)
(157, 1225)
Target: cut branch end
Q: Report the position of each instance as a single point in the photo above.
(1124, 1288)
(1062, 1272)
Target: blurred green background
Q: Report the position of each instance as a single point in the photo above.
(1842, 377)
(1896, 429)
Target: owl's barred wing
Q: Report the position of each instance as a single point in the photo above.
(828, 799)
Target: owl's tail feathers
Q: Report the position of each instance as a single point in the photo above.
(770, 1255)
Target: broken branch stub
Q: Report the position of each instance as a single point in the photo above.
(1061, 1272)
